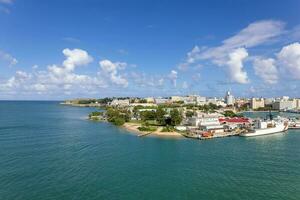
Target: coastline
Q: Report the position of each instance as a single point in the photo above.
(133, 127)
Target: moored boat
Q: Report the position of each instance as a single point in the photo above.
(294, 124)
(267, 127)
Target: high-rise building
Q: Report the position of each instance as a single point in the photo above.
(229, 98)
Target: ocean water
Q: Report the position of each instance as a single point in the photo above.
(49, 151)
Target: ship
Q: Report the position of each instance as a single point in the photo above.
(266, 127)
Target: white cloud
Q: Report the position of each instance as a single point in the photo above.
(173, 77)
(76, 57)
(289, 59)
(266, 69)
(255, 34)
(230, 54)
(111, 69)
(191, 58)
(16, 81)
(235, 66)
(56, 79)
(7, 58)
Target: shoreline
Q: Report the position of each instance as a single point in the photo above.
(133, 127)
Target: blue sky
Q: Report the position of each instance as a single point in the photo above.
(92, 48)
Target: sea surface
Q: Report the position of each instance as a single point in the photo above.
(49, 151)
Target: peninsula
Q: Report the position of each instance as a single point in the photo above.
(190, 116)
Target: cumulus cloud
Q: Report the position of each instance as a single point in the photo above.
(76, 57)
(57, 78)
(235, 66)
(289, 59)
(15, 81)
(111, 69)
(266, 70)
(7, 58)
(230, 53)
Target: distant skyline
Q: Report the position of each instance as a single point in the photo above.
(53, 50)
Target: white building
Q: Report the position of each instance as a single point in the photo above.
(229, 98)
(256, 103)
(175, 99)
(200, 100)
(120, 102)
(149, 99)
(285, 104)
(269, 101)
(161, 101)
(297, 103)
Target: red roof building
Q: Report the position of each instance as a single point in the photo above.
(234, 120)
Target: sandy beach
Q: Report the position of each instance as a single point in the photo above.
(133, 127)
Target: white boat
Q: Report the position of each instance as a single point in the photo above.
(266, 127)
(294, 124)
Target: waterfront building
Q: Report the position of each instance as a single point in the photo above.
(284, 104)
(229, 98)
(256, 103)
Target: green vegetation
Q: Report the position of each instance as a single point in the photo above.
(147, 128)
(148, 115)
(229, 113)
(189, 113)
(96, 113)
(117, 117)
(176, 117)
(168, 129)
(209, 107)
(160, 116)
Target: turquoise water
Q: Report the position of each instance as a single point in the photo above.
(49, 151)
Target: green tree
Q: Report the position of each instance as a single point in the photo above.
(148, 115)
(160, 116)
(229, 113)
(176, 117)
(189, 113)
(119, 121)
